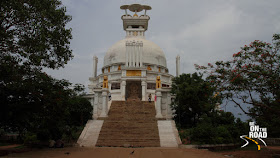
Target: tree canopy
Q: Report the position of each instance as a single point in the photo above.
(194, 97)
(33, 36)
(251, 78)
(199, 119)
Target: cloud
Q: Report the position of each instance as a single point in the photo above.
(199, 31)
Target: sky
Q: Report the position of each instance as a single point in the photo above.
(200, 31)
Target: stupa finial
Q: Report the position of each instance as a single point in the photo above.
(135, 21)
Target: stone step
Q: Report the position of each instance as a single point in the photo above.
(127, 144)
(123, 141)
(126, 139)
(130, 123)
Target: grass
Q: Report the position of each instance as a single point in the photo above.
(20, 147)
(249, 147)
(5, 144)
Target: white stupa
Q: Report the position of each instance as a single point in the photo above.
(134, 71)
(133, 68)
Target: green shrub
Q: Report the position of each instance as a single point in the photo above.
(216, 128)
(72, 133)
(30, 138)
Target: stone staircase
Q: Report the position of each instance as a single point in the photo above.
(130, 123)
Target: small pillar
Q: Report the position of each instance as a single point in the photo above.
(104, 112)
(95, 106)
(95, 61)
(130, 54)
(123, 85)
(141, 53)
(144, 85)
(137, 54)
(177, 66)
(133, 53)
(158, 103)
(168, 106)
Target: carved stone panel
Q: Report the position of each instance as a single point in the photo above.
(133, 90)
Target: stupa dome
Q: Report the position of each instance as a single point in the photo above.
(151, 55)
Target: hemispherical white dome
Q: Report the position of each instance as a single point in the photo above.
(152, 53)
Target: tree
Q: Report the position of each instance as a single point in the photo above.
(33, 36)
(194, 97)
(252, 78)
(218, 127)
(79, 108)
(199, 120)
(45, 107)
(80, 111)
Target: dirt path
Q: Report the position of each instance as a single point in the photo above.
(265, 152)
(9, 146)
(77, 152)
